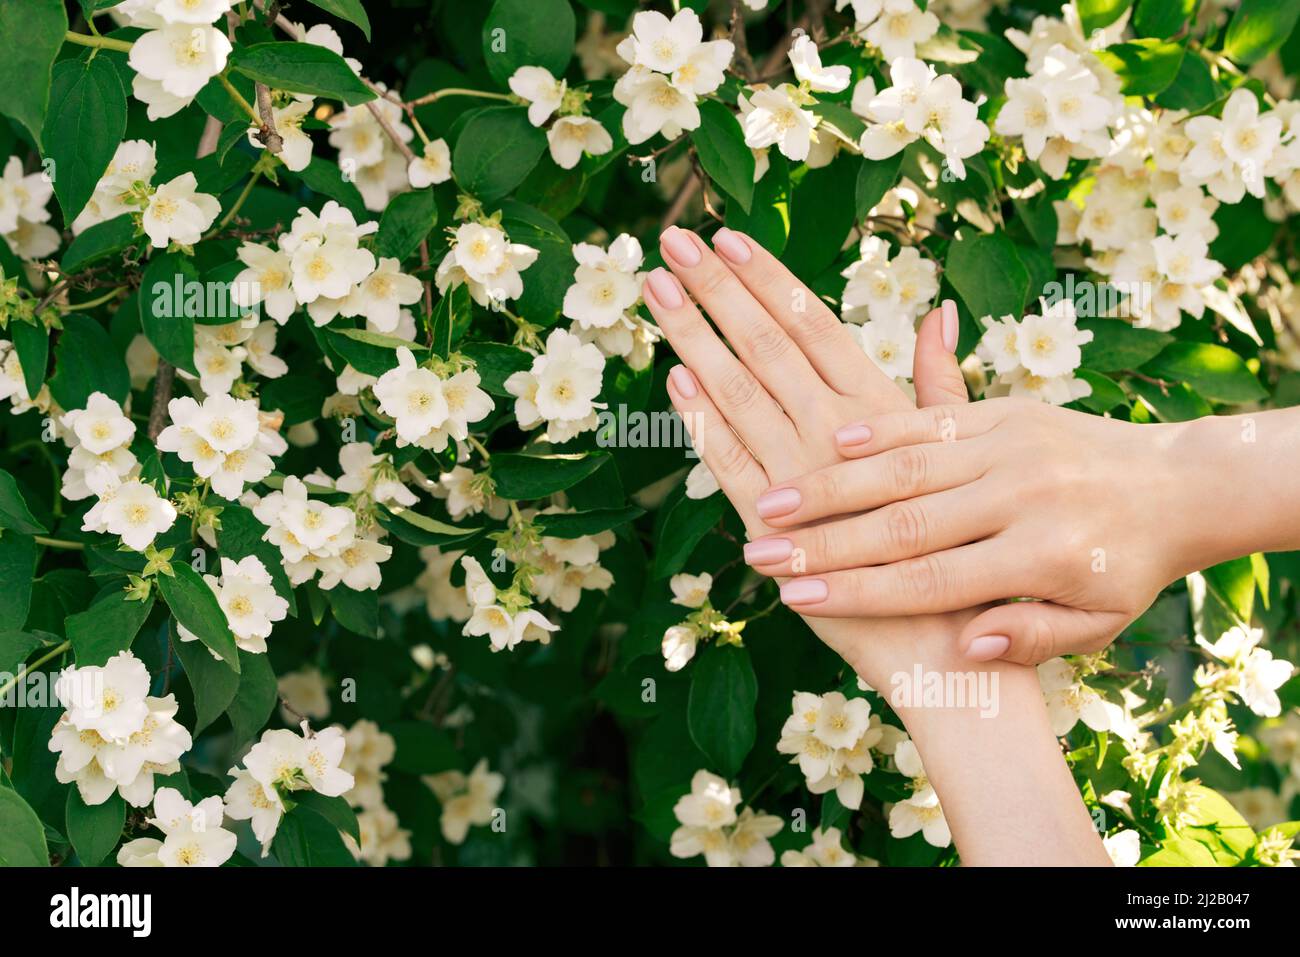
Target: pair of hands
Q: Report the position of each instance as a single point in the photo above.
(904, 514)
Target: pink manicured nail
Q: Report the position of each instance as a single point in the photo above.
(684, 382)
(988, 647)
(948, 324)
(730, 246)
(804, 591)
(779, 502)
(665, 288)
(765, 551)
(680, 246)
(853, 435)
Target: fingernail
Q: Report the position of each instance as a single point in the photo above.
(730, 246)
(684, 382)
(781, 501)
(853, 435)
(681, 246)
(805, 591)
(988, 647)
(665, 288)
(765, 551)
(948, 324)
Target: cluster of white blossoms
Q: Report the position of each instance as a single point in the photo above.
(23, 217)
(367, 750)
(483, 258)
(560, 388)
(672, 67)
(603, 300)
(1035, 357)
(894, 27)
(1244, 670)
(442, 600)
(468, 493)
(779, 116)
(222, 351)
(920, 811)
(368, 476)
(831, 738)
(826, 850)
(368, 156)
(882, 299)
(505, 618)
(918, 104)
(572, 134)
(102, 465)
(711, 826)
(180, 51)
(467, 800)
(320, 263)
(247, 597)
(175, 212)
(680, 641)
(13, 383)
(223, 440)
(281, 763)
(112, 735)
(314, 536)
(192, 835)
(427, 409)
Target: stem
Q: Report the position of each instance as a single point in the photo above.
(268, 134)
(27, 669)
(437, 95)
(248, 188)
(59, 543)
(162, 394)
(101, 43)
(91, 304)
(238, 97)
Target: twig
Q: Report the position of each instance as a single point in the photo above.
(268, 136)
(739, 41)
(162, 394)
(679, 204)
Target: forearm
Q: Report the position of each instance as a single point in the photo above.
(988, 749)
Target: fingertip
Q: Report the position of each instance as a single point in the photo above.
(949, 325)
(987, 647)
(684, 381)
(664, 289)
(853, 437)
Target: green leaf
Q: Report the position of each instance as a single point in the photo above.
(416, 529)
(1245, 231)
(1120, 345)
(167, 308)
(213, 682)
(370, 352)
(17, 569)
(193, 605)
(987, 274)
(305, 839)
(253, 703)
(422, 748)
(406, 222)
(1214, 371)
(325, 177)
(32, 343)
(1178, 403)
(31, 35)
(95, 829)
(1259, 27)
(1096, 14)
(1161, 18)
(357, 611)
(22, 836)
(496, 151)
(299, 397)
(820, 217)
(528, 33)
(349, 10)
(1105, 393)
(99, 242)
(875, 179)
(106, 627)
(768, 222)
(495, 362)
(1146, 66)
(578, 524)
(681, 526)
(720, 709)
(301, 68)
(336, 810)
(86, 360)
(83, 128)
(15, 646)
(720, 143)
(1194, 88)
(14, 513)
(451, 317)
(521, 476)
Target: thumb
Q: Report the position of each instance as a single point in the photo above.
(935, 372)
(1031, 632)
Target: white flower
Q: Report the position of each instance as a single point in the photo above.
(356, 565)
(560, 387)
(247, 800)
(1069, 700)
(1123, 847)
(1049, 345)
(998, 346)
(247, 596)
(678, 646)
(1229, 154)
(413, 396)
(571, 136)
(194, 835)
(808, 68)
(382, 839)
(107, 699)
(826, 850)
(891, 344)
(841, 721)
(368, 750)
(466, 801)
(489, 264)
(466, 404)
(1253, 674)
(292, 762)
(920, 812)
(888, 289)
(710, 806)
(179, 59)
(305, 692)
(775, 117)
(1187, 210)
(466, 494)
(654, 105)
(748, 841)
(664, 45)
(380, 296)
(701, 482)
(134, 511)
(100, 427)
(23, 197)
(190, 11)
(433, 167)
(691, 591)
(178, 213)
(297, 146)
(900, 27)
(266, 280)
(605, 285)
(543, 92)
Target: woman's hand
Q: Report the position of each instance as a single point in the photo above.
(1007, 498)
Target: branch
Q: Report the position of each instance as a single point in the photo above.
(162, 394)
(267, 135)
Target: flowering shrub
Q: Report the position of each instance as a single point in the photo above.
(343, 517)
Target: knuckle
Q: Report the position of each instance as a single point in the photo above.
(824, 544)
(942, 423)
(825, 488)
(739, 389)
(729, 455)
(768, 343)
(820, 326)
(713, 280)
(1039, 639)
(908, 467)
(923, 578)
(906, 531)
